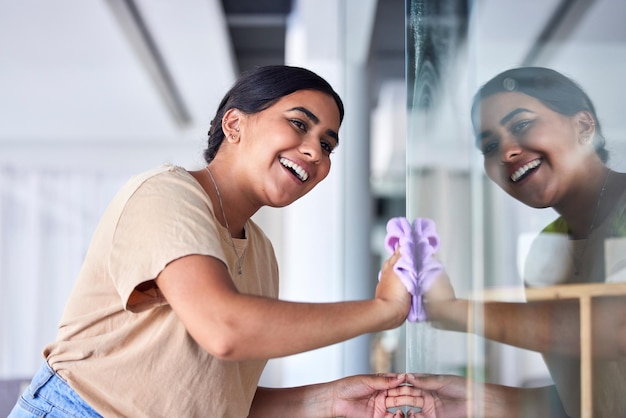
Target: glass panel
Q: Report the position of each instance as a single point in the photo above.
(437, 157)
(543, 151)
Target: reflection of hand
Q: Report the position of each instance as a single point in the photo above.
(439, 299)
(370, 396)
(441, 290)
(448, 396)
(444, 396)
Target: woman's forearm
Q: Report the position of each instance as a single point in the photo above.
(363, 395)
(547, 326)
(305, 401)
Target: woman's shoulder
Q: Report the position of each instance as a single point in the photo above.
(166, 184)
(164, 170)
(161, 177)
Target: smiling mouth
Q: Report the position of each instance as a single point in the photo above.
(297, 171)
(523, 171)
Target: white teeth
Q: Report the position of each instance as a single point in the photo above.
(523, 170)
(302, 175)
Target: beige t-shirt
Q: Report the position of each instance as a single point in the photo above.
(138, 360)
(554, 259)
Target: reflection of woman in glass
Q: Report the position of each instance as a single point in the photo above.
(542, 144)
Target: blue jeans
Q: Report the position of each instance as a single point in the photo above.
(50, 396)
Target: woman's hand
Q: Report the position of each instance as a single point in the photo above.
(392, 291)
(371, 396)
(360, 396)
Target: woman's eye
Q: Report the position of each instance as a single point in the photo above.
(520, 126)
(299, 124)
(489, 147)
(328, 147)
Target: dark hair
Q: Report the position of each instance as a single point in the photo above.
(259, 89)
(553, 89)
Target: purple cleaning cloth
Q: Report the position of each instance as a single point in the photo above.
(416, 268)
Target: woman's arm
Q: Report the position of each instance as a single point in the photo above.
(543, 326)
(362, 396)
(235, 326)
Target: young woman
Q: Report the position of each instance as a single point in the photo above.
(542, 144)
(175, 310)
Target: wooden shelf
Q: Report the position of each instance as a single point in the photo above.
(584, 293)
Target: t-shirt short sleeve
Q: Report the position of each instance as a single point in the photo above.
(168, 216)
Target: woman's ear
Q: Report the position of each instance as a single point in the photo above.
(230, 124)
(586, 126)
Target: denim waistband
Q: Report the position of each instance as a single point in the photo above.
(43, 375)
(48, 384)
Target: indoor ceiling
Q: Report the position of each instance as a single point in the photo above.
(145, 71)
(257, 30)
(102, 73)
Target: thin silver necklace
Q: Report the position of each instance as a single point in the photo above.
(240, 258)
(578, 258)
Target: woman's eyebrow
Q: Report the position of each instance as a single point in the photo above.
(316, 120)
(308, 113)
(507, 118)
(481, 136)
(512, 114)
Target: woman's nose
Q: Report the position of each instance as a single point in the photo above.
(509, 149)
(312, 148)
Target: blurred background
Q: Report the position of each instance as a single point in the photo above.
(94, 91)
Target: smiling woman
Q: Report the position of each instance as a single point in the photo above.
(541, 140)
(542, 144)
(177, 274)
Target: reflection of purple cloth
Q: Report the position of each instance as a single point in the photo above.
(416, 268)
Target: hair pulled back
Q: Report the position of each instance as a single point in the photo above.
(259, 89)
(553, 89)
